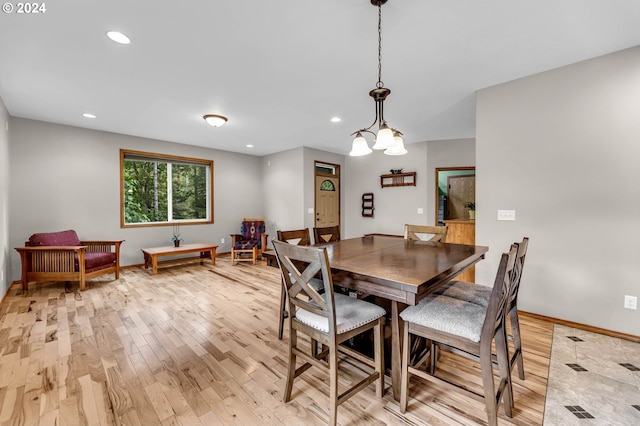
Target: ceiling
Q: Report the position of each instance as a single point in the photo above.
(281, 70)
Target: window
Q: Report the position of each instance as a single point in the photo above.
(159, 189)
(327, 185)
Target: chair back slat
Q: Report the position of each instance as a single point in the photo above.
(414, 232)
(298, 237)
(517, 273)
(327, 234)
(496, 311)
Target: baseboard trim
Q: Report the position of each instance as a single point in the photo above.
(584, 327)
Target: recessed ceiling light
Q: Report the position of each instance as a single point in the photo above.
(88, 115)
(249, 146)
(215, 120)
(336, 120)
(118, 37)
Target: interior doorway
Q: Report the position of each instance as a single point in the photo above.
(455, 186)
(327, 194)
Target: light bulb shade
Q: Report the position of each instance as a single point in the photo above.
(359, 147)
(398, 146)
(384, 138)
(215, 120)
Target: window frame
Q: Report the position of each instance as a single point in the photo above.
(167, 158)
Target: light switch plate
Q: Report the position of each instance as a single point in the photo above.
(420, 211)
(506, 215)
(310, 210)
(630, 302)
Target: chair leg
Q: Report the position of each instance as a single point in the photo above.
(378, 351)
(404, 381)
(486, 368)
(291, 371)
(504, 370)
(434, 353)
(333, 386)
(255, 255)
(282, 311)
(233, 258)
(517, 343)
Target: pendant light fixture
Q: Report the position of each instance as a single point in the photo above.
(387, 138)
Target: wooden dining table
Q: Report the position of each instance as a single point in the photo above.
(401, 271)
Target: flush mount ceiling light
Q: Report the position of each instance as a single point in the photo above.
(118, 37)
(215, 120)
(387, 138)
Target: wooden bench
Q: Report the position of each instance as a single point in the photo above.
(151, 255)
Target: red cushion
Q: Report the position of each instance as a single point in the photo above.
(94, 261)
(62, 238)
(246, 245)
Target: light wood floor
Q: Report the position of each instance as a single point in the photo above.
(198, 345)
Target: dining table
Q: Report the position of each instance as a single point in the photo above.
(401, 271)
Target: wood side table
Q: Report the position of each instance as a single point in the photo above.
(151, 255)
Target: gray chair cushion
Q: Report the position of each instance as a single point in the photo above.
(469, 292)
(448, 314)
(350, 313)
(316, 284)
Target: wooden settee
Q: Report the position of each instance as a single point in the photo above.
(62, 256)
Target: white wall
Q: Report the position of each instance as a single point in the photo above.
(283, 190)
(562, 149)
(5, 248)
(394, 206)
(66, 177)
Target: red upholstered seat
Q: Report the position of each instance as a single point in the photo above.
(95, 261)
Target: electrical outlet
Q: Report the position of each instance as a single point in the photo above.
(221, 240)
(506, 215)
(630, 302)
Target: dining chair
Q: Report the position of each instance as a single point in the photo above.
(299, 237)
(425, 233)
(330, 319)
(481, 294)
(470, 329)
(327, 234)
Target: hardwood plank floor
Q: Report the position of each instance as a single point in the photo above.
(197, 344)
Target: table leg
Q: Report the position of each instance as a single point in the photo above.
(397, 326)
(154, 264)
(213, 256)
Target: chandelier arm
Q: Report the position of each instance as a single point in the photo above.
(364, 130)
